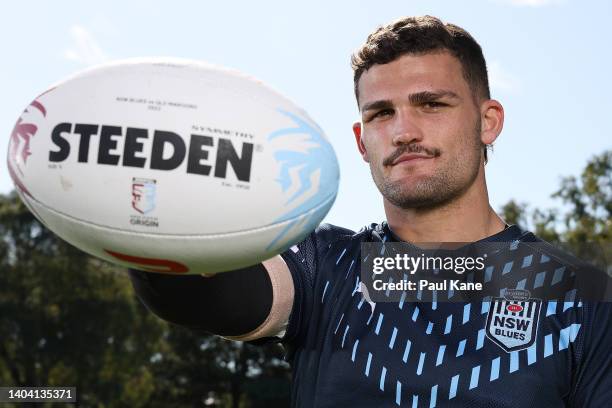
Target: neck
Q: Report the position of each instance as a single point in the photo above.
(468, 218)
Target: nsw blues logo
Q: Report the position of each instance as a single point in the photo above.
(512, 322)
(143, 195)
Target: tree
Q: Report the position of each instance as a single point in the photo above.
(68, 319)
(586, 227)
(232, 373)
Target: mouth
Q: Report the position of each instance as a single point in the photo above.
(412, 153)
(411, 158)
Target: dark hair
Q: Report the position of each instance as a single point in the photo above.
(421, 35)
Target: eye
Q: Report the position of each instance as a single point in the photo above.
(433, 105)
(382, 113)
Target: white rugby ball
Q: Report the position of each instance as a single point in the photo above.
(172, 166)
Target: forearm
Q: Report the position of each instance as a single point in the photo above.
(243, 305)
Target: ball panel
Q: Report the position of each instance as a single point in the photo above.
(287, 151)
(190, 254)
(172, 166)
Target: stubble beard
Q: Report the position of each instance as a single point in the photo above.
(439, 189)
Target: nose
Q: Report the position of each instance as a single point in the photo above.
(405, 128)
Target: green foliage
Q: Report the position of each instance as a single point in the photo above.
(196, 368)
(514, 213)
(67, 319)
(586, 226)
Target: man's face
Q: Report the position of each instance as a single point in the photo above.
(420, 129)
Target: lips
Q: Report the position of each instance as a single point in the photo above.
(407, 153)
(408, 157)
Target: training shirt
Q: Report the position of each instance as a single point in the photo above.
(346, 351)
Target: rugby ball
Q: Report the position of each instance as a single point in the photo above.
(172, 166)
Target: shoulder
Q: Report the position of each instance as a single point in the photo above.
(562, 272)
(551, 251)
(329, 234)
(327, 240)
(544, 251)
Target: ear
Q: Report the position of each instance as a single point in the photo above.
(360, 145)
(492, 121)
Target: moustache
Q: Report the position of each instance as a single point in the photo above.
(411, 148)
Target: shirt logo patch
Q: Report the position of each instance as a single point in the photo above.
(512, 321)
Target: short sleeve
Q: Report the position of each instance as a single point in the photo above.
(302, 262)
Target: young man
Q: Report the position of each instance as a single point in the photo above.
(427, 119)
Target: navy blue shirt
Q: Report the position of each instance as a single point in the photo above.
(348, 352)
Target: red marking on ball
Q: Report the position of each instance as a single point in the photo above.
(151, 264)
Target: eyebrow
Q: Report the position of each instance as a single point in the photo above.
(415, 99)
(381, 104)
(428, 96)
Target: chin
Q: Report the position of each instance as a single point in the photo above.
(412, 180)
(416, 201)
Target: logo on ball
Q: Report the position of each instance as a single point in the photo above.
(143, 195)
(21, 136)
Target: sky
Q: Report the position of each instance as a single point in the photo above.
(549, 65)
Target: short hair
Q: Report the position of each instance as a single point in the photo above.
(423, 35)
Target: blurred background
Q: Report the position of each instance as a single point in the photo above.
(68, 319)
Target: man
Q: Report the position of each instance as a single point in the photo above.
(426, 122)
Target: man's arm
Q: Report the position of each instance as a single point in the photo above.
(245, 304)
